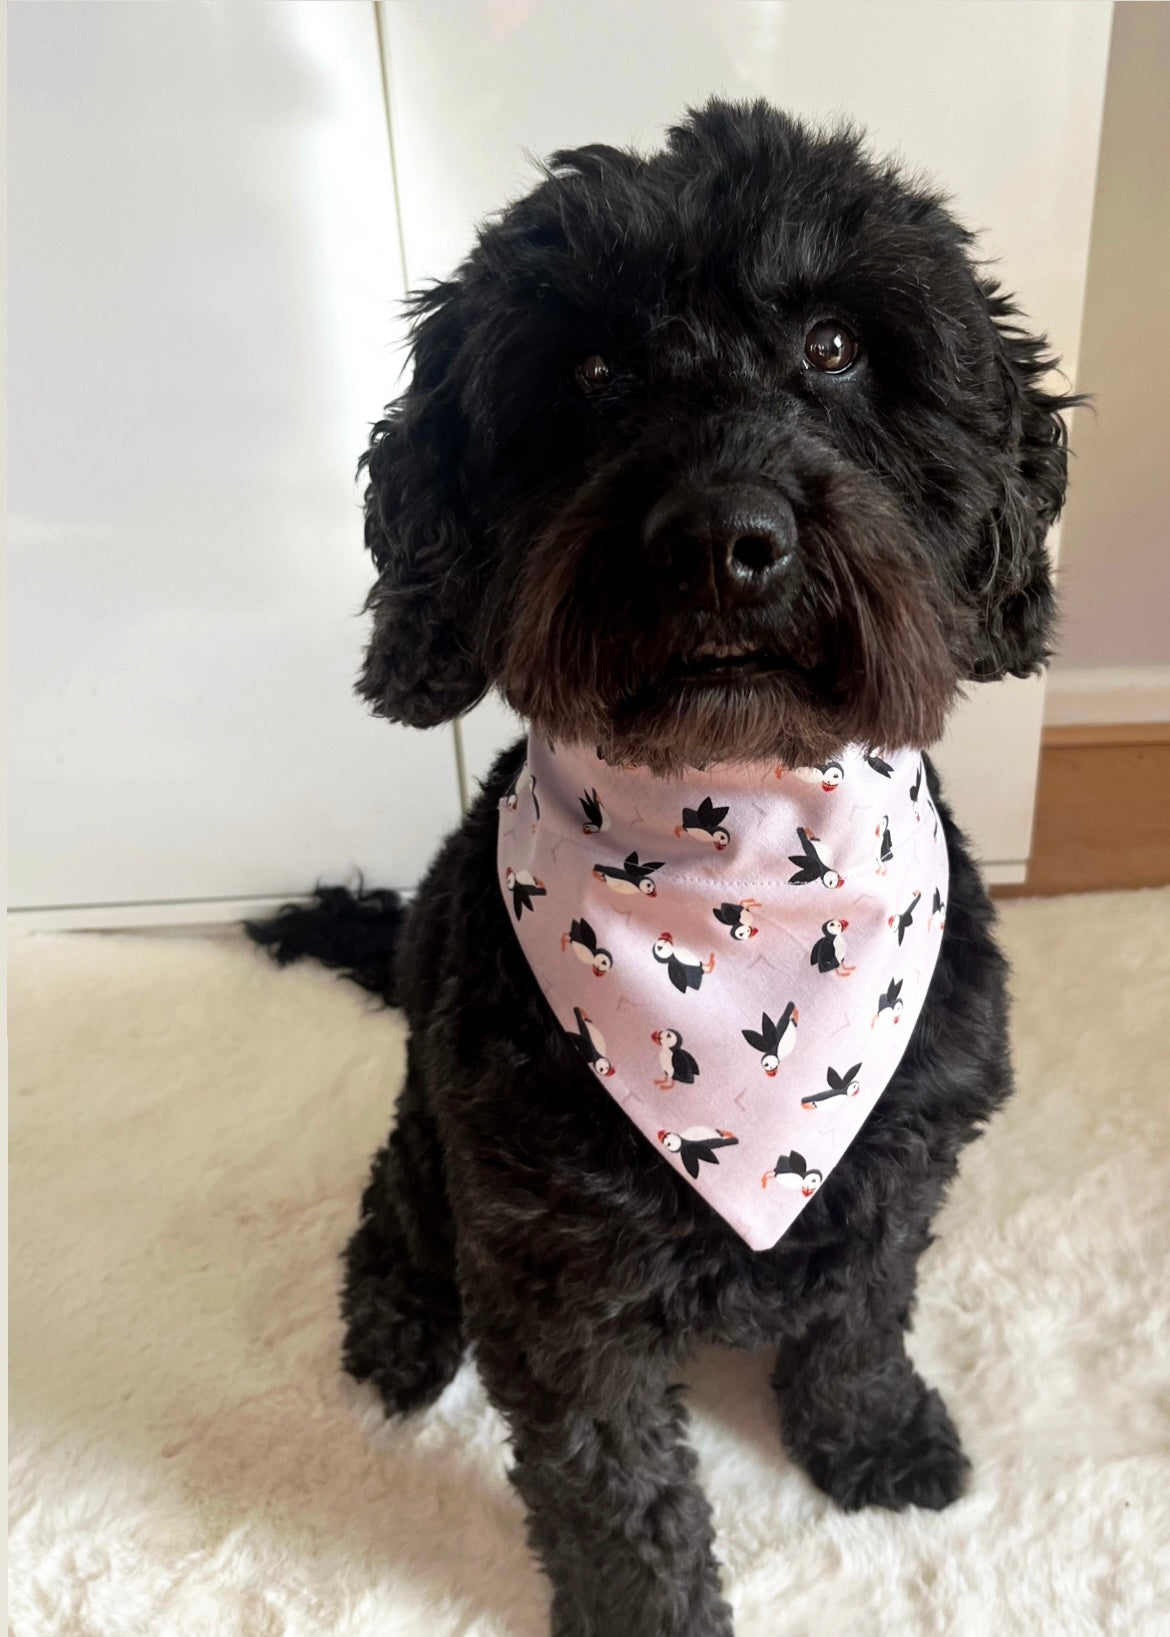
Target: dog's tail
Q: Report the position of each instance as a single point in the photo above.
(356, 932)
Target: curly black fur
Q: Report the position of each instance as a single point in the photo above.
(515, 1206)
(355, 932)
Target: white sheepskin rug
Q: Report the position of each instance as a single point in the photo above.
(189, 1135)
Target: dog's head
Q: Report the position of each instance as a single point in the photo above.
(722, 454)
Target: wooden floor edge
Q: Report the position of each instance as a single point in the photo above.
(1076, 735)
(1085, 771)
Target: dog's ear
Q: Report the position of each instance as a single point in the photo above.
(420, 666)
(1015, 606)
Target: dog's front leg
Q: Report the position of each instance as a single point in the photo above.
(622, 1529)
(859, 1418)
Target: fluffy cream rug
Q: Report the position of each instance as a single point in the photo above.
(189, 1133)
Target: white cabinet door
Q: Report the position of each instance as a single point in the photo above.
(1002, 103)
(204, 277)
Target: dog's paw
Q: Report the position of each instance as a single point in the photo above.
(917, 1463)
(411, 1368)
(403, 1329)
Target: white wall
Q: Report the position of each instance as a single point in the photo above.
(1115, 556)
(203, 309)
(204, 268)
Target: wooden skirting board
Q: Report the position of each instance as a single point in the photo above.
(1102, 810)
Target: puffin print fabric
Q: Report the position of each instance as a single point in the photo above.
(739, 955)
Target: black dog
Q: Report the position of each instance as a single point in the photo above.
(760, 320)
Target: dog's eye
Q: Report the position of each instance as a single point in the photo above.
(830, 347)
(592, 373)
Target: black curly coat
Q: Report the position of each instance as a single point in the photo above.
(895, 550)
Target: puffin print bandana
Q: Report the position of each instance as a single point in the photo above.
(740, 955)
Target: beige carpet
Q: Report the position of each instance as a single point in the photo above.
(189, 1133)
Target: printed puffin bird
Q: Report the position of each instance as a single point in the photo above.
(813, 862)
(938, 912)
(878, 764)
(738, 918)
(697, 1142)
(630, 876)
(828, 953)
(582, 940)
(596, 817)
(832, 773)
(839, 1085)
(774, 1040)
(524, 888)
(677, 1064)
(512, 799)
(905, 920)
(885, 845)
(683, 969)
(915, 792)
(890, 1003)
(705, 823)
(827, 774)
(590, 1042)
(791, 1170)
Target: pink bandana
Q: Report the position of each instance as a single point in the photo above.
(740, 955)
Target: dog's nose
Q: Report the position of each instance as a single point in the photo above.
(722, 545)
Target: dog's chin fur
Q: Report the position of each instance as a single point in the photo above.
(684, 725)
(696, 726)
(776, 719)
